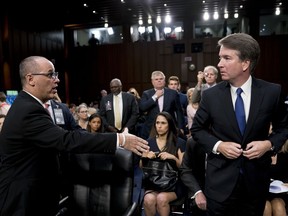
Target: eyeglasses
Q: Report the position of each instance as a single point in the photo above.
(51, 75)
(209, 74)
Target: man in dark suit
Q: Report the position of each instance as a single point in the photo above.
(61, 115)
(192, 173)
(160, 99)
(128, 109)
(237, 179)
(30, 143)
(174, 83)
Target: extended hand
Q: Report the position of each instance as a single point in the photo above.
(135, 144)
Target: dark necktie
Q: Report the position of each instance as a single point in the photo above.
(239, 111)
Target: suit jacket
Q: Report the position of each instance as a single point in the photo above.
(171, 104)
(129, 115)
(183, 102)
(69, 121)
(30, 143)
(215, 120)
(192, 169)
(197, 93)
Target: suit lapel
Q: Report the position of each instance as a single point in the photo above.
(256, 99)
(229, 110)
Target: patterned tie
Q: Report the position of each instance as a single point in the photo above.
(239, 111)
(117, 113)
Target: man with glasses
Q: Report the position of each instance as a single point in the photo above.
(206, 79)
(31, 142)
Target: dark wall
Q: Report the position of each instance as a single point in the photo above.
(91, 69)
(84, 71)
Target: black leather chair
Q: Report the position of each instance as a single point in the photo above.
(102, 184)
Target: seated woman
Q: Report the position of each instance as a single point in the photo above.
(276, 202)
(165, 144)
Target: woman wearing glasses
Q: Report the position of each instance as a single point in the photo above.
(82, 115)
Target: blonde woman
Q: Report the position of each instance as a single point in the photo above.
(82, 115)
(191, 109)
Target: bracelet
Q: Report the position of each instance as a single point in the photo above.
(123, 140)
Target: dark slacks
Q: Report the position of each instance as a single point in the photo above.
(240, 203)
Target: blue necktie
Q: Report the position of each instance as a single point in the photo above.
(239, 111)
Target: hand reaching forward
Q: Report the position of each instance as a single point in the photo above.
(133, 143)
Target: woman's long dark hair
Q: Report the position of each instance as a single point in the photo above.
(172, 133)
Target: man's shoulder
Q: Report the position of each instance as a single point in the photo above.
(264, 83)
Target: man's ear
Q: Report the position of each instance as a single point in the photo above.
(30, 80)
(246, 65)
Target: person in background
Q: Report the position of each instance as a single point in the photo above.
(192, 173)
(57, 98)
(93, 41)
(95, 124)
(134, 92)
(72, 107)
(95, 104)
(276, 203)
(164, 140)
(31, 142)
(159, 99)
(209, 75)
(103, 93)
(126, 109)
(4, 106)
(239, 152)
(61, 115)
(174, 83)
(82, 115)
(2, 118)
(191, 110)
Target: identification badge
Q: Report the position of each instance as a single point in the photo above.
(59, 117)
(108, 106)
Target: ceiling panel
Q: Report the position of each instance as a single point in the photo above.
(115, 12)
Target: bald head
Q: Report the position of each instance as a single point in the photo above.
(38, 77)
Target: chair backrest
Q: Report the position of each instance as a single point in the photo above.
(102, 183)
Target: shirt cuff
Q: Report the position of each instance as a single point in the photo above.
(216, 147)
(193, 197)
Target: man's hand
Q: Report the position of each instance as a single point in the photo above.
(256, 149)
(159, 93)
(230, 150)
(200, 76)
(200, 201)
(134, 143)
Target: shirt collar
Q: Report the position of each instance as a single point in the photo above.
(34, 97)
(246, 87)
